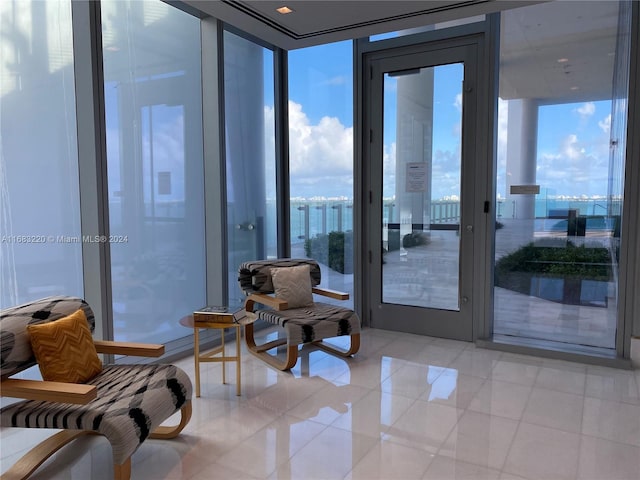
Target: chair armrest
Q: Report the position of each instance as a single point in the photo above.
(61, 392)
(129, 348)
(331, 293)
(267, 300)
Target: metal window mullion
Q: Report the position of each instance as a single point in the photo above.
(361, 242)
(483, 328)
(629, 273)
(281, 103)
(92, 161)
(215, 188)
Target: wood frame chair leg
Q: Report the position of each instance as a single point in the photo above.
(353, 348)
(35, 457)
(30, 461)
(260, 351)
(238, 361)
(122, 472)
(168, 432)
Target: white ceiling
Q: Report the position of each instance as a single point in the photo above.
(314, 22)
(532, 39)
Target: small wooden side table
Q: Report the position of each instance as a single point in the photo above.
(220, 318)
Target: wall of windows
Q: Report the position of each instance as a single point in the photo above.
(155, 168)
(250, 155)
(154, 152)
(557, 247)
(321, 159)
(40, 242)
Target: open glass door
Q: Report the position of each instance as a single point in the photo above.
(421, 180)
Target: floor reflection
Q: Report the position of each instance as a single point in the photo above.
(405, 407)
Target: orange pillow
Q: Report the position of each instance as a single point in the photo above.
(64, 349)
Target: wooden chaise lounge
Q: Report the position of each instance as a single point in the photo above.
(304, 322)
(125, 403)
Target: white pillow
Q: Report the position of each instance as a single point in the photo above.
(293, 284)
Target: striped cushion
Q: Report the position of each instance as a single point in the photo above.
(16, 352)
(309, 324)
(132, 401)
(255, 276)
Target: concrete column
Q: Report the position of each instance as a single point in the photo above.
(522, 137)
(414, 139)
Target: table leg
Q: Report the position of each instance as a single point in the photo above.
(224, 364)
(238, 362)
(196, 356)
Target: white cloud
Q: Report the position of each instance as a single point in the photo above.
(503, 123)
(270, 152)
(445, 173)
(605, 124)
(389, 170)
(321, 159)
(587, 109)
(458, 102)
(571, 148)
(575, 167)
(320, 156)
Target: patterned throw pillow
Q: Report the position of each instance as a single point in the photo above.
(293, 284)
(64, 349)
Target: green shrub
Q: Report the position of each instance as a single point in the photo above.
(415, 239)
(515, 270)
(571, 264)
(585, 262)
(334, 250)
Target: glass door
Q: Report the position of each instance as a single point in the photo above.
(250, 156)
(421, 186)
(559, 182)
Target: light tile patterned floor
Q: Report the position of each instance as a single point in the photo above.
(405, 407)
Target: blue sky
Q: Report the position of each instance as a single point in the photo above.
(573, 148)
(321, 121)
(321, 79)
(572, 145)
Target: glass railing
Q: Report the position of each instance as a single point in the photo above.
(310, 218)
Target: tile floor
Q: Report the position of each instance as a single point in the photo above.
(405, 407)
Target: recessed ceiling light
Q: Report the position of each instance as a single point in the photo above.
(563, 60)
(575, 88)
(284, 10)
